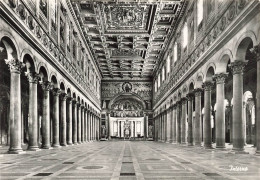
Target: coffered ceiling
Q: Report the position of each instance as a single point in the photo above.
(128, 38)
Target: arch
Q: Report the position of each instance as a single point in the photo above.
(129, 94)
(61, 81)
(43, 73)
(78, 99)
(54, 81)
(13, 46)
(74, 95)
(223, 60)
(191, 85)
(184, 90)
(69, 92)
(210, 71)
(62, 87)
(199, 80)
(243, 43)
(43, 65)
(29, 62)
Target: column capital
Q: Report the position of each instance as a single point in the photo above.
(56, 91)
(78, 104)
(256, 50)
(64, 96)
(220, 78)
(15, 65)
(238, 66)
(74, 100)
(33, 77)
(207, 85)
(197, 92)
(190, 96)
(174, 106)
(184, 100)
(46, 85)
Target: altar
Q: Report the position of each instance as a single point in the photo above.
(126, 127)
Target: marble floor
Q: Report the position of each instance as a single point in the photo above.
(130, 160)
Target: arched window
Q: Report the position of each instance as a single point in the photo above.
(199, 12)
(185, 35)
(168, 64)
(159, 80)
(163, 74)
(175, 52)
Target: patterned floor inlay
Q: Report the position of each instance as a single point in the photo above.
(43, 174)
(127, 174)
(68, 163)
(93, 167)
(125, 160)
(211, 174)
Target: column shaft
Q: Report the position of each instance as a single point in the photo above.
(258, 102)
(184, 122)
(197, 123)
(220, 111)
(82, 125)
(56, 123)
(15, 106)
(174, 140)
(79, 124)
(178, 118)
(238, 123)
(63, 117)
(33, 112)
(69, 122)
(207, 132)
(46, 116)
(190, 116)
(74, 124)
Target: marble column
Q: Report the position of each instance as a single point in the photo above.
(145, 128)
(238, 123)
(74, 124)
(69, 122)
(33, 112)
(159, 127)
(178, 119)
(56, 119)
(190, 117)
(109, 127)
(168, 126)
(63, 118)
(94, 127)
(220, 111)
(91, 126)
(184, 121)
(82, 124)
(257, 109)
(165, 125)
(174, 139)
(197, 123)
(86, 125)
(15, 106)
(46, 86)
(207, 131)
(79, 124)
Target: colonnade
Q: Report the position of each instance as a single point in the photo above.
(72, 122)
(178, 123)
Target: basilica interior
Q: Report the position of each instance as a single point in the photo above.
(128, 79)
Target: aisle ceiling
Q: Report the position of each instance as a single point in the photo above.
(128, 38)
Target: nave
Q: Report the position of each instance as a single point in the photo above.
(130, 160)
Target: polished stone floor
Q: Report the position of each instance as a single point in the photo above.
(130, 160)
